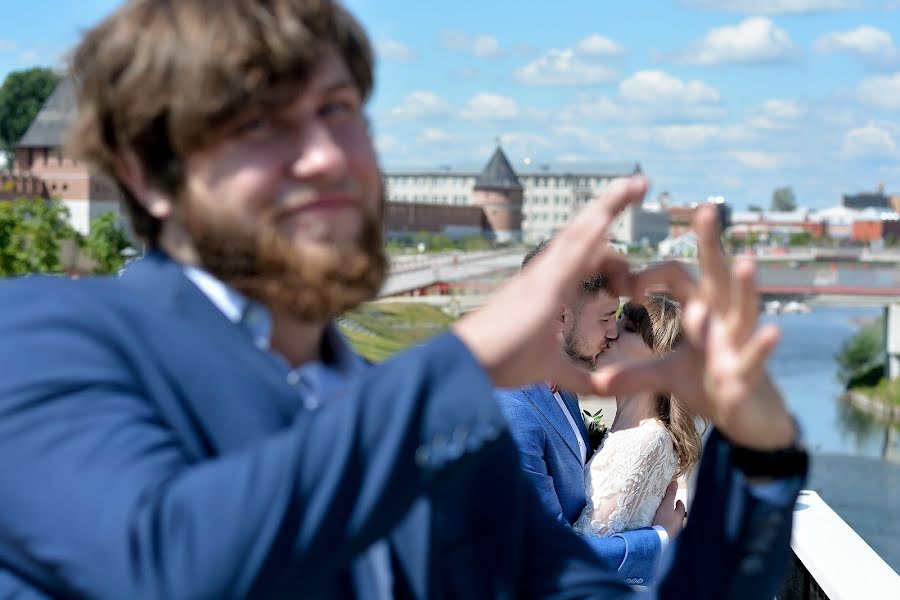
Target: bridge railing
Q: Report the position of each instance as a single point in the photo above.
(831, 561)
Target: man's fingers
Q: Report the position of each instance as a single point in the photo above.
(570, 377)
(636, 376)
(715, 278)
(670, 277)
(580, 249)
(600, 212)
(757, 350)
(745, 299)
(669, 496)
(680, 508)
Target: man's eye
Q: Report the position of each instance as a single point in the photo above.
(337, 108)
(254, 126)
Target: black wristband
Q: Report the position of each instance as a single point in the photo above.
(772, 464)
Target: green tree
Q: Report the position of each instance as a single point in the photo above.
(754, 208)
(21, 97)
(800, 238)
(30, 234)
(783, 199)
(862, 352)
(105, 244)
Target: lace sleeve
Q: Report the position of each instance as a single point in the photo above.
(642, 474)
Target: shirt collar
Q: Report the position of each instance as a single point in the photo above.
(239, 309)
(229, 301)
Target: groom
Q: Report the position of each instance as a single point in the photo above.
(553, 442)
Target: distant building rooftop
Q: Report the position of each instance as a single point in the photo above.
(48, 128)
(498, 174)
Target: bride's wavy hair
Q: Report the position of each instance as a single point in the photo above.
(658, 321)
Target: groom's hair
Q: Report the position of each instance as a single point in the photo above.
(589, 287)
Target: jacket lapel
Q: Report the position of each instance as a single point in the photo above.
(160, 279)
(571, 401)
(539, 395)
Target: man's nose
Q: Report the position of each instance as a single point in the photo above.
(318, 155)
(612, 330)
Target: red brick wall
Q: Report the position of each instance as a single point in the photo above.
(866, 231)
(416, 216)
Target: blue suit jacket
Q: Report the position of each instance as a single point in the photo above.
(550, 458)
(149, 450)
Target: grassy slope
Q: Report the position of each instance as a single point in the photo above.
(393, 327)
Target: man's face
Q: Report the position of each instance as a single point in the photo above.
(292, 198)
(590, 328)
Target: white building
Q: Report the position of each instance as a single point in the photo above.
(552, 194)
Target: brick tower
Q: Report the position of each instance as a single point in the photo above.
(498, 192)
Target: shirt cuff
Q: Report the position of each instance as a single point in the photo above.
(779, 492)
(663, 536)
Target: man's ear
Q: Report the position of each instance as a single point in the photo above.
(132, 174)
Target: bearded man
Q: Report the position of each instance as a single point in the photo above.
(197, 428)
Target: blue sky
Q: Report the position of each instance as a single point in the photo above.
(712, 97)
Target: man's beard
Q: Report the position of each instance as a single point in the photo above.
(570, 345)
(314, 284)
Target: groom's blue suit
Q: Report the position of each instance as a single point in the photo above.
(150, 450)
(551, 460)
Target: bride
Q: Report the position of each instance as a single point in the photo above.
(653, 438)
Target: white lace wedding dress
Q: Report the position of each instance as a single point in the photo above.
(626, 479)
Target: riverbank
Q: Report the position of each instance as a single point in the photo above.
(882, 410)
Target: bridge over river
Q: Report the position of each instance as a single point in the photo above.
(832, 282)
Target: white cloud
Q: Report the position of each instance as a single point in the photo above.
(655, 95)
(754, 40)
(484, 106)
(420, 104)
(648, 87)
(571, 158)
(481, 46)
(757, 159)
(564, 67)
(870, 43)
(486, 46)
(883, 91)
(432, 135)
(7, 44)
(389, 145)
(686, 137)
(869, 141)
(393, 50)
(777, 115)
(598, 45)
(775, 7)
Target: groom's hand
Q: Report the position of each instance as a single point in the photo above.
(670, 514)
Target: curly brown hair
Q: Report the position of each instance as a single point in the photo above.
(159, 79)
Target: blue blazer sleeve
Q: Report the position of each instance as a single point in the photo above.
(99, 498)
(630, 555)
(736, 544)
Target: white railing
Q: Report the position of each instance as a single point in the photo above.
(831, 560)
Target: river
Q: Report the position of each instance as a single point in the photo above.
(856, 460)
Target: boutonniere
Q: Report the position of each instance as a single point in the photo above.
(595, 428)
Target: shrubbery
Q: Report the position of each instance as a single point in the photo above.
(861, 358)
